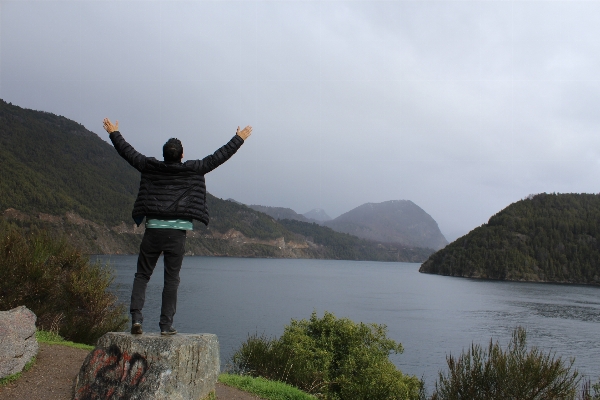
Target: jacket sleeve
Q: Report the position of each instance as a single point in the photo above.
(125, 150)
(211, 162)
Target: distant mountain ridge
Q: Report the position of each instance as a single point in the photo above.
(394, 221)
(279, 212)
(316, 215)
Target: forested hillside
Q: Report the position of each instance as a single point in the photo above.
(58, 176)
(547, 237)
(52, 165)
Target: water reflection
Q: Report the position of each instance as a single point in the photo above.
(566, 311)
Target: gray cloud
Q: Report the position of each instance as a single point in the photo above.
(460, 106)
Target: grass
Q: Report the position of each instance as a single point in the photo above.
(269, 390)
(48, 337)
(11, 378)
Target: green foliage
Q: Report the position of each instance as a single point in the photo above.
(69, 295)
(336, 358)
(589, 391)
(517, 373)
(548, 237)
(268, 390)
(50, 337)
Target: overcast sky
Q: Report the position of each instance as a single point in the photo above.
(462, 107)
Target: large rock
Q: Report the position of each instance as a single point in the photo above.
(18, 344)
(150, 366)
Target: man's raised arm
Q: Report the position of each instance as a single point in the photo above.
(109, 127)
(125, 150)
(244, 133)
(211, 162)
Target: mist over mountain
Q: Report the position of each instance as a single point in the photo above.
(317, 214)
(394, 221)
(279, 212)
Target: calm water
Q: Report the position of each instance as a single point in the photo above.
(430, 315)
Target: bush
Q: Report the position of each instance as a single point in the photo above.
(589, 391)
(516, 373)
(68, 294)
(335, 358)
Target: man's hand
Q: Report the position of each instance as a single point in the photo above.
(109, 127)
(244, 133)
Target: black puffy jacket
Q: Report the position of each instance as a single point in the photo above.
(170, 190)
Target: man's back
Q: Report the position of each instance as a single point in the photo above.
(172, 189)
(171, 195)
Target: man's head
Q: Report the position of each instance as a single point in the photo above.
(173, 150)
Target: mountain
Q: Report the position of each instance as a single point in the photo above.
(544, 238)
(395, 221)
(52, 165)
(317, 214)
(279, 212)
(58, 176)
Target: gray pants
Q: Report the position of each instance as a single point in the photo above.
(170, 242)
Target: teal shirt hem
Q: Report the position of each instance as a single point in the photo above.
(180, 224)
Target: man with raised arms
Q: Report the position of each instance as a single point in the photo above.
(172, 194)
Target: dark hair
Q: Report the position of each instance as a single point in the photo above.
(173, 150)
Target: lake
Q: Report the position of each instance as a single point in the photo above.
(430, 315)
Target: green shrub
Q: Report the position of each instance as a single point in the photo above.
(335, 358)
(68, 294)
(517, 373)
(589, 391)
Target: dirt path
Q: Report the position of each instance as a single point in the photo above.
(52, 375)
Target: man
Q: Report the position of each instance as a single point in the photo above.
(171, 195)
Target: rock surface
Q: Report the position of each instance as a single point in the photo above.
(18, 344)
(150, 366)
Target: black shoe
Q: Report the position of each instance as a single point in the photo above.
(136, 328)
(168, 332)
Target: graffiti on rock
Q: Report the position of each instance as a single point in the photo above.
(111, 374)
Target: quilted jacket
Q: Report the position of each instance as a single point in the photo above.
(172, 190)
